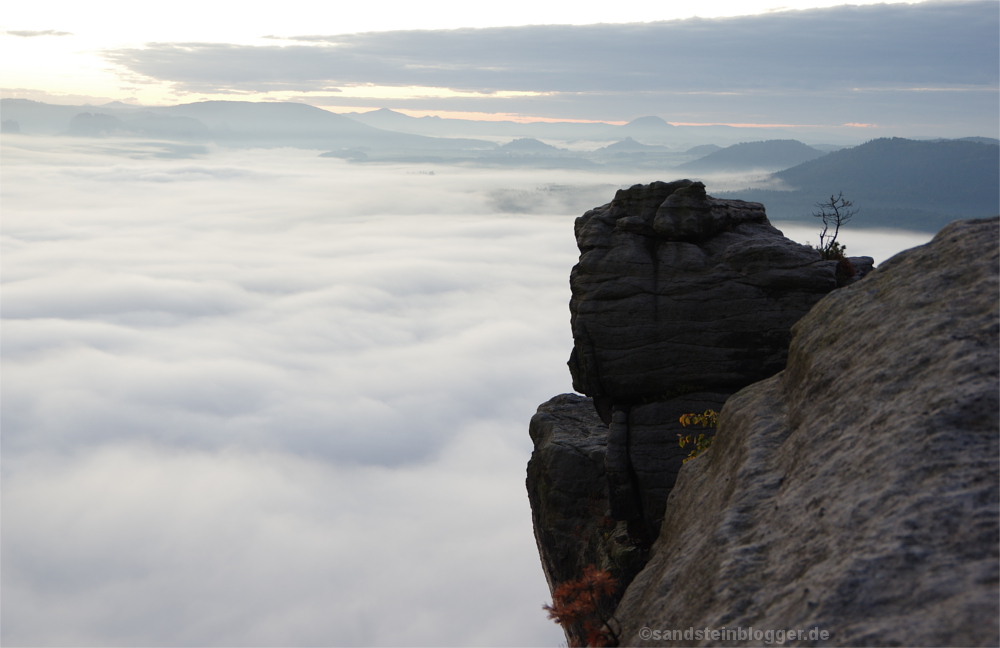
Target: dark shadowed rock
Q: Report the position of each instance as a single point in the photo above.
(676, 290)
(568, 493)
(643, 456)
(856, 491)
(862, 265)
(654, 455)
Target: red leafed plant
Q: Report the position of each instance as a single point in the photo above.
(579, 607)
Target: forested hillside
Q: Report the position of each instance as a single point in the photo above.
(895, 182)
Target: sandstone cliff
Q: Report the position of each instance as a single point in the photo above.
(855, 491)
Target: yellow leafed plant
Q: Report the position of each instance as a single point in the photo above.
(701, 443)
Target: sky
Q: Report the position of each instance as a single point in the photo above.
(257, 397)
(907, 67)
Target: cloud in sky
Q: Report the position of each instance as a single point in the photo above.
(839, 64)
(27, 33)
(259, 397)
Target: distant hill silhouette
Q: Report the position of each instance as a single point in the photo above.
(235, 123)
(434, 126)
(978, 140)
(629, 145)
(644, 129)
(388, 119)
(703, 150)
(266, 118)
(296, 124)
(40, 118)
(770, 154)
(97, 125)
(529, 145)
(646, 123)
(883, 170)
(895, 182)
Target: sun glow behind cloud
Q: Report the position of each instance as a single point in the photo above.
(75, 65)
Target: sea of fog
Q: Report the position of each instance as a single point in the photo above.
(258, 397)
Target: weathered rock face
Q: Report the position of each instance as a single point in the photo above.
(856, 491)
(568, 494)
(677, 291)
(568, 482)
(566, 486)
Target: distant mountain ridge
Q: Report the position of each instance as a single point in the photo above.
(530, 145)
(435, 126)
(769, 154)
(650, 130)
(241, 123)
(921, 184)
(896, 182)
(629, 145)
(275, 120)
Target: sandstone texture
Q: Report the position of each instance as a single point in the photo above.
(857, 490)
(676, 291)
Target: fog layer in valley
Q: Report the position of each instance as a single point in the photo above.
(265, 398)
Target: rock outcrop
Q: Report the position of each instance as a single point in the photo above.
(568, 490)
(679, 300)
(854, 492)
(857, 490)
(676, 290)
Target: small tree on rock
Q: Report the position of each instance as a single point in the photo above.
(835, 213)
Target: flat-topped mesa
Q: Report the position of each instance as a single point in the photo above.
(676, 291)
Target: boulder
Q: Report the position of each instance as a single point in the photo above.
(855, 492)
